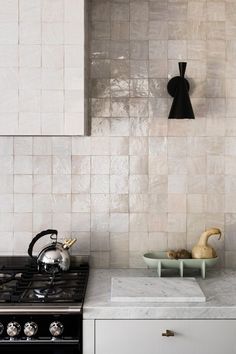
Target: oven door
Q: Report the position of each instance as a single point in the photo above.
(39, 348)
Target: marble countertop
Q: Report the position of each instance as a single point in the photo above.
(219, 288)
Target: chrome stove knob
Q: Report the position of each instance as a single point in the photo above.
(1, 328)
(30, 329)
(13, 329)
(56, 328)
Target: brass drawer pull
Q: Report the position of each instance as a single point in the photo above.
(168, 333)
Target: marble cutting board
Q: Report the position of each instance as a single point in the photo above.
(151, 289)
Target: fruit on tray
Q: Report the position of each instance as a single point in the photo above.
(179, 254)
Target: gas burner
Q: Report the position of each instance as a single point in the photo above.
(8, 280)
(22, 283)
(47, 292)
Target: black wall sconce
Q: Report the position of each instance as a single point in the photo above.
(178, 87)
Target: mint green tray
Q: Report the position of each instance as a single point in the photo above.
(159, 261)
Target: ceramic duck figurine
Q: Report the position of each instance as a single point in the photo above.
(202, 249)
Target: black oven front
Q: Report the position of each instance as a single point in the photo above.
(41, 333)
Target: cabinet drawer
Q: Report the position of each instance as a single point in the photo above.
(145, 336)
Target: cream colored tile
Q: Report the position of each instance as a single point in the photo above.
(158, 203)
(138, 184)
(100, 241)
(216, 11)
(215, 126)
(157, 222)
(230, 258)
(82, 246)
(80, 184)
(158, 146)
(119, 203)
(196, 203)
(138, 203)
(215, 165)
(215, 203)
(81, 146)
(119, 259)
(99, 203)
(22, 146)
(158, 165)
(157, 127)
(80, 165)
(119, 222)
(195, 226)
(20, 242)
(177, 203)
(135, 259)
(119, 184)
(139, 126)
(100, 259)
(177, 165)
(176, 222)
(196, 165)
(138, 222)
(100, 165)
(177, 184)
(119, 145)
(22, 184)
(230, 165)
(100, 222)
(230, 203)
(100, 146)
(177, 146)
(216, 184)
(41, 221)
(157, 241)
(99, 183)
(80, 203)
(176, 240)
(119, 241)
(119, 165)
(158, 184)
(80, 221)
(138, 165)
(196, 9)
(138, 241)
(138, 146)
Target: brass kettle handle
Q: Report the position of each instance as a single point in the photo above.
(168, 333)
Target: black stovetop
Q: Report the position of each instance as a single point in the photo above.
(21, 282)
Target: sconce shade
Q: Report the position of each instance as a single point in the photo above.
(178, 87)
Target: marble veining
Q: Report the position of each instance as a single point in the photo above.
(150, 289)
(219, 289)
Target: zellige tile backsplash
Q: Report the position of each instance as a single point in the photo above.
(140, 181)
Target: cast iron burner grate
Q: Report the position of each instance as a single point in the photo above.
(24, 284)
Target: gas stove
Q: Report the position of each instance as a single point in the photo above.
(40, 308)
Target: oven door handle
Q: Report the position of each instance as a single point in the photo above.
(40, 342)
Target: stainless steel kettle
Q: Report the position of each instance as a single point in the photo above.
(54, 257)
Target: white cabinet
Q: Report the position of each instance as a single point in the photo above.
(145, 336)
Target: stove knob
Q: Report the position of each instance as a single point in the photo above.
(13, 329)
(56, 329)
(30, 329)
(1, 328)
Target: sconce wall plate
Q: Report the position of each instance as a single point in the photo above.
(173, 85)
(178, 87)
